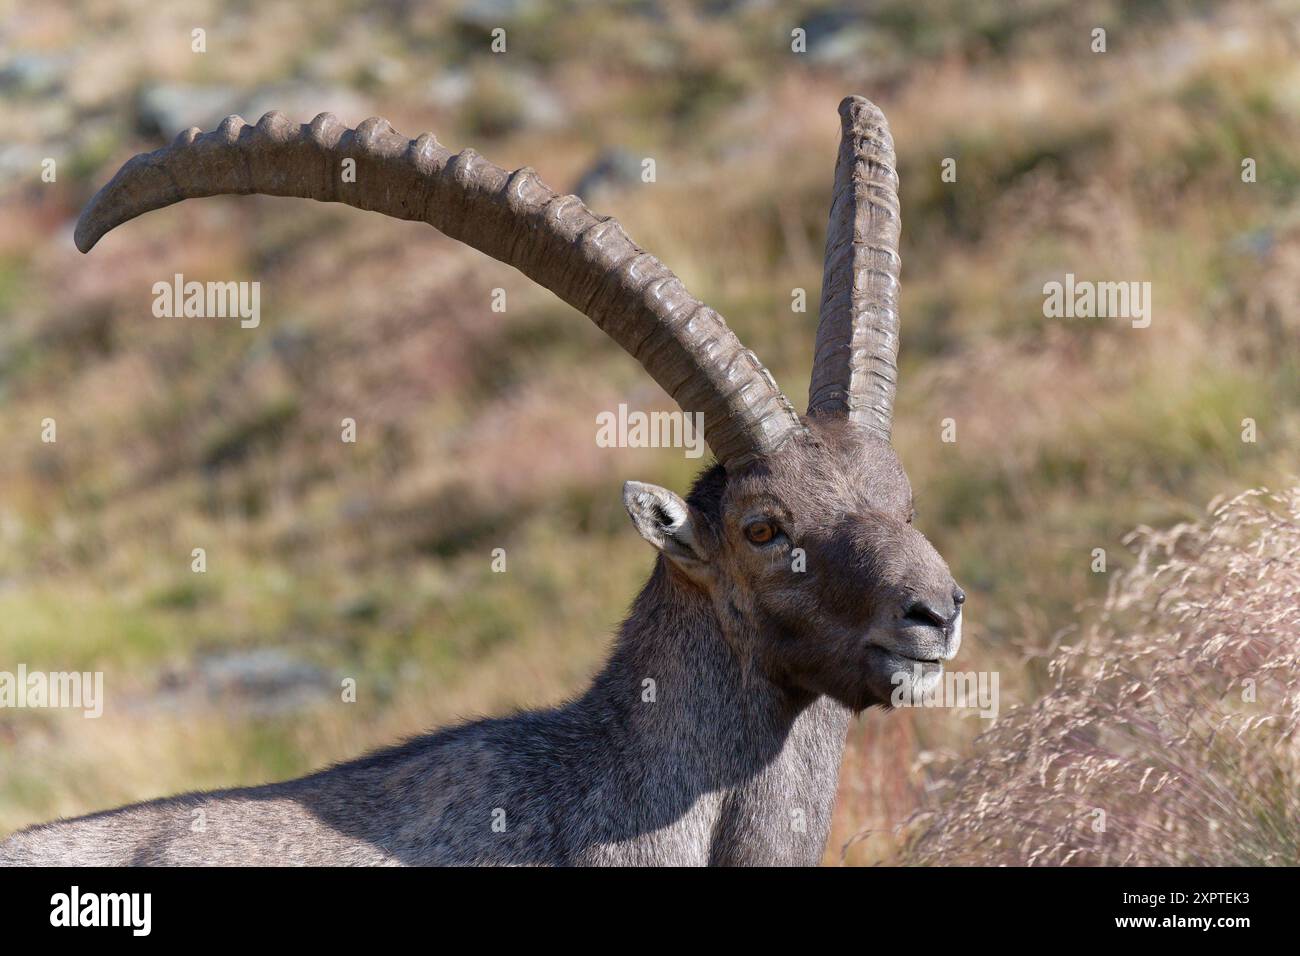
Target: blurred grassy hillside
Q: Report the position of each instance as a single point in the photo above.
(476, 428)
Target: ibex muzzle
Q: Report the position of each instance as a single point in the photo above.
(791, 588)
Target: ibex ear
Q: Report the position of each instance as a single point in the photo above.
(664, 520)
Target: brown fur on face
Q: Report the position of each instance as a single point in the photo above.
(829, 605)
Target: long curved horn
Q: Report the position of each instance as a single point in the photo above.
(855, 364)
(587, 260)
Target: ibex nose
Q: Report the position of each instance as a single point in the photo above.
(942, 614)
(932, 613)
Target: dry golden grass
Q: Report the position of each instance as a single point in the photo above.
(1169, 736)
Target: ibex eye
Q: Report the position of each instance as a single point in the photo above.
(760, 532)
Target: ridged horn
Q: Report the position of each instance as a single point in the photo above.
(586, 260)
(855, 364)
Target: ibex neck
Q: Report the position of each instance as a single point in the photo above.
(748, 769)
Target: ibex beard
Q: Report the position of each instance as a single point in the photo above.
(790, 589)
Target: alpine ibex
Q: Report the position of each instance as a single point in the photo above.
(790, 590)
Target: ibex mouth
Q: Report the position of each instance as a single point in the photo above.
(898, 661)
(929, 644)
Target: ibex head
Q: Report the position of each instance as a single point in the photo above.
(813, 566)
(801, 535)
